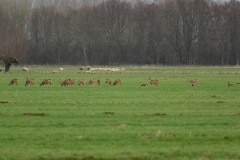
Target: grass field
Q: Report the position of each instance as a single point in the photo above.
(171, 121)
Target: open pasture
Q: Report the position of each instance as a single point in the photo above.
(173, 120)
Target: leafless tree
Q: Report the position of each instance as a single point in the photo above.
(113, 32)
(13, 16)
(113, 19)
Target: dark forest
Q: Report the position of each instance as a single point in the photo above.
(118, 32)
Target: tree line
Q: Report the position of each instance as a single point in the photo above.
(120, 32)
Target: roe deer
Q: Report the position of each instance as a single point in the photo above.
(117, 82)
(153, 82)
(98, 82)
(46, 82)
(108, 82)
(13, 82)
(67, 82)
(94, 81)
(29, 82)
(81, 82)
(193, 82)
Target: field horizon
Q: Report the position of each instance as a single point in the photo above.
(173, 120)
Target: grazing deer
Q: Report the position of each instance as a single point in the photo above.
(108, 82)
(230, 84)
(64, 83)
(94, 81)
(142, 84)
(193, 82)
(117, 82)
(71, 82)
(46, 82)
(81, 82)
(29, 82)
(67, 82)
(13, 82)
(153, 82)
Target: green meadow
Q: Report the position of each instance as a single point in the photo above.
(171, 121)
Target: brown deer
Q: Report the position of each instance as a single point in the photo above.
(108, 82)
(98, 82)
(29, 82)
(94, 81)
(68, 82)
(117, 82)
(71, 82)
(193, 82)
(46, 82)
(13, 82)
(153, 82)
(81, 82)
(64, 83)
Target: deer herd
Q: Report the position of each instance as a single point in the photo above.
(97, 82)
(67, 82)
(81, 82)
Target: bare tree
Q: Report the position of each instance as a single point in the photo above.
(82, 30)
(14, 16)
(140, 30)
(233, 18)
(113, 19)
(121, 31)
